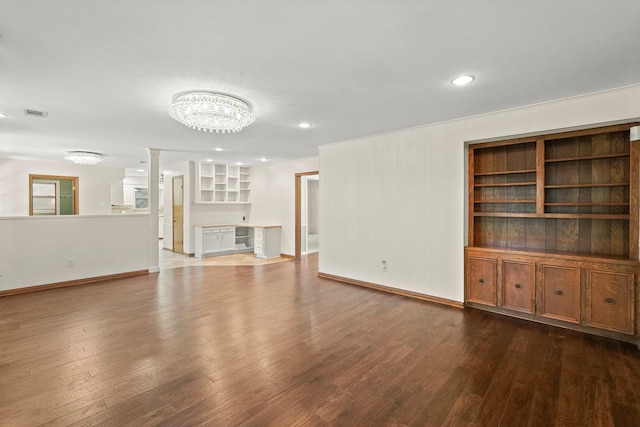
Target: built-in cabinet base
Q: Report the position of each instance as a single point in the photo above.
(588, 294)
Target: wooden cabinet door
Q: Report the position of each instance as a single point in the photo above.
(481, 280)
(610, 301)
(518, 286)
(560, 287)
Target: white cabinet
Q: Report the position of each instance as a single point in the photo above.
(211, 240)
(128, 197)
(136, 196)
(266, 242)
(221, 183)
(218, 239)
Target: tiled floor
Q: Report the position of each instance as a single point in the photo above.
(169, 260)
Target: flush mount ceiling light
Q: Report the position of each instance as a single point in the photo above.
(83, 157)
(304, 125)
(211, 111)
(462, 80)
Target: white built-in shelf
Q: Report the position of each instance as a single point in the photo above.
(221, 183)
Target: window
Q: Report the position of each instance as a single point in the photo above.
(53, 195)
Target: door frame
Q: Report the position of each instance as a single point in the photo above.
(73, 179)
(173, 217)
(298, 215)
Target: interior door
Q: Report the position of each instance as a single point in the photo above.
(178, 222)
(299, 211)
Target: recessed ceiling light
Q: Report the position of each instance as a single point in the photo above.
(139, 170)
(462, 80)
(141, 162)
(239, 163)
(3, 115)
(209, 160)
(218, 149)
(304, 125)
(263, 159)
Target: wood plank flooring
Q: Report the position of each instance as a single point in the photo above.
(275, 345)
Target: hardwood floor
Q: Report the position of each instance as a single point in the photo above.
(275, 345)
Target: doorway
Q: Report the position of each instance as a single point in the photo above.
(53, 195)
(178, 211)
(307, 231)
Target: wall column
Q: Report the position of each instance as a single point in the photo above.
(154, 203)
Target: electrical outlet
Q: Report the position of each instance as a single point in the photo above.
(384, 266)
(70, 262)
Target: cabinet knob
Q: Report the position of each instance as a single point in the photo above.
(608, 300)
(481, 280)
(517, 285)
(558, 292)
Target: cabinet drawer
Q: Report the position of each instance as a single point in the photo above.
(560, 293)
(257, 248)
(518, 286)
(481, 280)
(259, 233)
(610, 301)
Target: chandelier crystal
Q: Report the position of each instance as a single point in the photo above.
(211, 111)
(83, 157)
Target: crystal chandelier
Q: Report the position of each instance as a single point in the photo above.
(211, 111)
(83, 157)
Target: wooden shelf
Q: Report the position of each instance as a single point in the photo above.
(550, 215)
(608, 184)
(586, 204)
(505, 201)
(507, 184)
(561, 181)
(594, 157)
(505, 172)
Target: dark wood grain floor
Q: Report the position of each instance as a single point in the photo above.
(275, 345)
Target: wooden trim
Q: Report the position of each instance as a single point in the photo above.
(391, 290)
(541, 255)
(173, 214)
(76, 282)
(634, 200)
(287, 256)
(471, 196)
(550, 136)
(298, 212)
(540, 177)
(298, 218)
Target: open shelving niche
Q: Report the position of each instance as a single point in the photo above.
(554, 230)
(222, 183)
(554, 194)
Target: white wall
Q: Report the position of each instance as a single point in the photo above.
(36, 250)
(400, 196)
(94, 183)
(272, 196)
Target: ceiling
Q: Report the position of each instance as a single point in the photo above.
(106, 71)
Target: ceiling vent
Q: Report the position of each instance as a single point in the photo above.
(36, 113)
